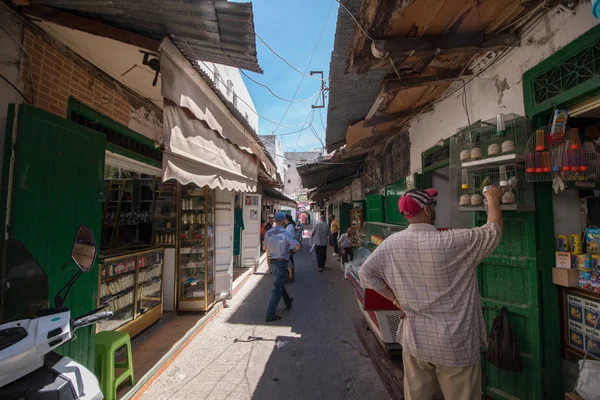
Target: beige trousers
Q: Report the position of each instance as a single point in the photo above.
(421, 380)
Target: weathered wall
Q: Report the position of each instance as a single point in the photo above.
(499, 89)
(57, 73)
(228, 74)
(292, 186)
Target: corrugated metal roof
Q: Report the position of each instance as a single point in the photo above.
(216, 30)
(350, 95)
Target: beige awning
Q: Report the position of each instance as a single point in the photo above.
(203, 144)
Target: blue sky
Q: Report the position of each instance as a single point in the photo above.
(292, 29)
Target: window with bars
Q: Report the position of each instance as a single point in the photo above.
(115, 134)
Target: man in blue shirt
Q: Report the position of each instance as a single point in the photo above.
(277, 244)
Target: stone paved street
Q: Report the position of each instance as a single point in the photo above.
(312, 353)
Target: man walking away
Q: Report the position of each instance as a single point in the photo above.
(278, 244)
(269, 223)
(345, 242)
(320, 235)
(432, 277)
(290, 230)
(335, 231)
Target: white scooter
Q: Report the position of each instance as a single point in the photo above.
(30, 331)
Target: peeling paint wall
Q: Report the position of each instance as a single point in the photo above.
(499, 89)
(147, 122)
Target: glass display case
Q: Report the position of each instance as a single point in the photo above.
(165, 214)
(370, 237)
(196, 258)
(131, 287)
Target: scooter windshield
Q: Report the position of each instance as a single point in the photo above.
(24, 290)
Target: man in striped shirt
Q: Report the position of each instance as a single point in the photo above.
(431, 276)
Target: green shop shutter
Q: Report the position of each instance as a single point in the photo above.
(393, 193)
(344, 217)
(508, 278)
(374, 205)
(57, 185)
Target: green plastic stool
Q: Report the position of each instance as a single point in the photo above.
(107, 344)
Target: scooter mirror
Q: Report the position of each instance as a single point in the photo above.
(84, 248)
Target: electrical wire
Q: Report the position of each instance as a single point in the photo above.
(367, 34)
(285, 61)
(274, 94)
(524, 17)
(494, 62)
(251, 107)
(28, 60)
(15, 88)
(232, 61)
(307, 66)
(321, 118)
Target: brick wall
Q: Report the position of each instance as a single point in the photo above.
(52, 74)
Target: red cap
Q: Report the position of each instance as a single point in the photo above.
(414, 201)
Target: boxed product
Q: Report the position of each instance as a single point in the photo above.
(567, 277)
(591, 317)
(585, 280)
(595, 278)
(576, 337)
(592, 240)
(575, 311)
(583, 262)
(563, 259)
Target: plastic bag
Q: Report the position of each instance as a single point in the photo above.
(312, 248)
(502, 349)
(588, 384)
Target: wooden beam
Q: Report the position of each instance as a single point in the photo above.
(90, 26)
(394, 116)
(458, 43)
(415, 80)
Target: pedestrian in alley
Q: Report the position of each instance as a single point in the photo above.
(269, 223)
(277, 245)
(432, 277)
(320, 235)
(335, 231)
(290, 229)
(345, 244)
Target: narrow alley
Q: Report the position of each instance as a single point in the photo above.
(312, 353)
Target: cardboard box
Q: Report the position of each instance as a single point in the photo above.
(565, 277)
(563, 259)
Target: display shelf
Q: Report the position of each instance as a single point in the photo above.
(195, 248)
(139, 274)
(502, 159)
(503, 207)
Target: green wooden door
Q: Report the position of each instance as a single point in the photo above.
(344, 217)
(393, 193)
(374, 204)
(57, 185)
(508, 278)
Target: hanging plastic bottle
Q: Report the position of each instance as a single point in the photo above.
(539, 140)
(503, 176)
(546, 161)
(530, 163)
(573, 159)
(583, 160)
(575, 141)
(465, 179)
(566, 163)
(538, 162)
(500, 125)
